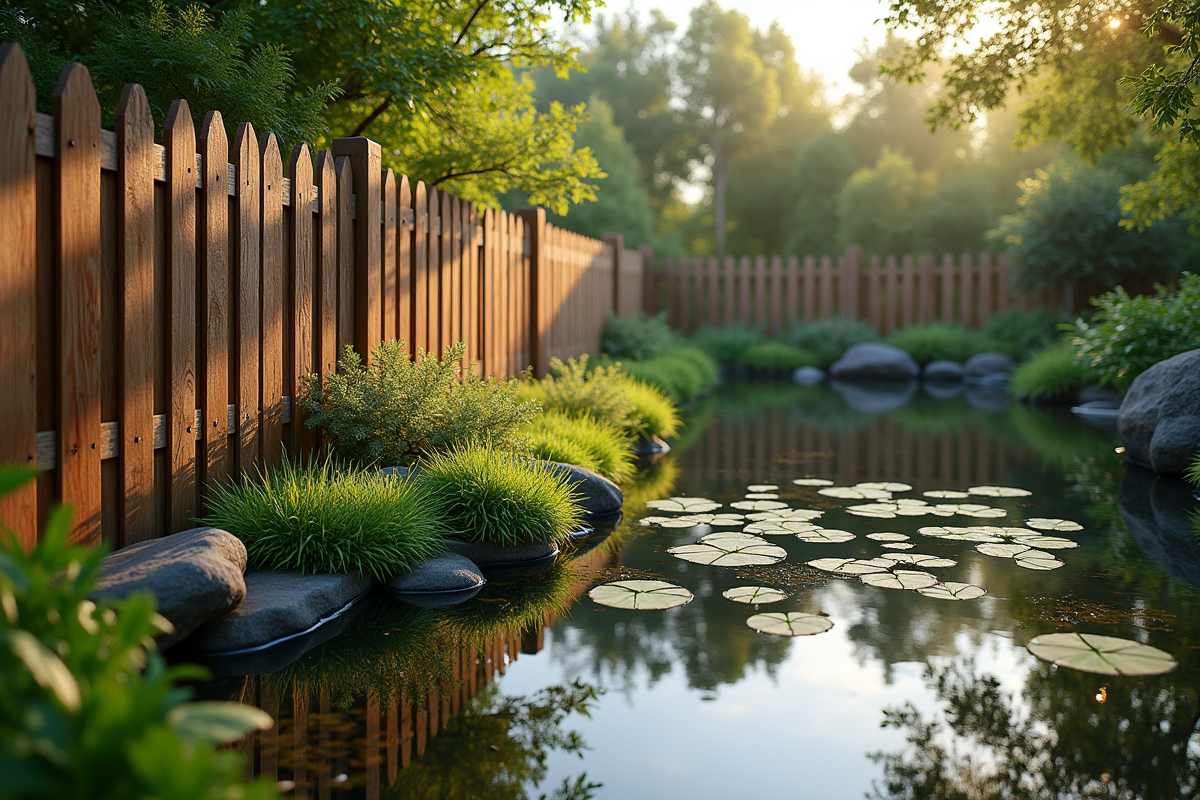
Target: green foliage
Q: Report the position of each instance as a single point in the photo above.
(325, 518)
(827, 339)
(582, 441)
(682, 373)
(1128, 335)
(636, 336)
(484, 495)
(577, 391)
(936, 341)
(1193, 472)
(90, 708)
(725, 344)
(1054, 371)
(397, 410)
(875, 208)
(656, 413)
(823, 165)
(776, 356)
(1026, 332)
(704, 365)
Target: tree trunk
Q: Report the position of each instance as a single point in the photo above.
(719, 180)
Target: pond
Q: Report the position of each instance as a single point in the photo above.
(906, 695)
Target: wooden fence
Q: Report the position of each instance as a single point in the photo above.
(161, 302)
(890, 292)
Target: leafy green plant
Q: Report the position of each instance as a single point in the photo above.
(636, 336)
(657, 414)
(326, 518)
(1193, 473)
(485, 495)
(777, 356)
(1128, 335)
(682, 373)
(1051, 372)
(936, 341)
(396, 410)
(578, 391)
(708, 369)
(90, 707)
(726, 343)
(582, 441)
(1026, 332)
(829, 338)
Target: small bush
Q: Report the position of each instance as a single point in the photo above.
(396, 410)
(657, 415)
(1026, 332)
(581, 392)
(708, 370)
(1052, 372)
(677, 377)
(484, 495)
(725, 344)
(926, 343)
(322, 518)
(827, 339)
(637, 336)
(582, 441)
(777, 356)
(1128, 335)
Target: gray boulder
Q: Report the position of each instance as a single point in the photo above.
(1158, 513)
(943, 371)
(650, 446)
(989, 368)
(494, 555)
(449, 573)
(1159, 421)
(280, 607)
(808, 376)
(874, 361)
(195, 576)
(875, 397)
(599, 494)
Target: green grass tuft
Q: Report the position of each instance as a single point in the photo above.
(1193, 472)
(1051, 372)
(326, 518)
(657, 415)
(582, 441)
(777, 356)
(484, 495)
(937, 341)
(682, 373)
(578, 391)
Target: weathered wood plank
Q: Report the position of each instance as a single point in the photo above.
(247, 279)
(446, 277)
(303, 290)
(390, 279)
(325, 280)
(420, 270)
(212, 302)
(403, 264)
(273, 247)
(366, 162)
(344, 172)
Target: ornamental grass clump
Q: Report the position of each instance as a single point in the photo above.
(1054, 371)
(326, 518)
(582, 441)
(484, 495)
(656, 413)
(577, 391)
(396, 410)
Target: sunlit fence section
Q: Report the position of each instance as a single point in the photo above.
(161, 301)
(890, 292)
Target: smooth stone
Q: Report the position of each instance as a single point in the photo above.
(808, 376)
(942, 390)
(1159, 514)
(983, 367)
(651, 446)
(279, 607)
(195, 576)
(943, 371)
(874, 361)
(493, 555)
(1097, 393)
(1160, 415)
(447, 573)
(598, 495)
(874, 397)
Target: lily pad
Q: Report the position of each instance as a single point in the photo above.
(900, 579)
(824, 536)
(761, 487)
(1046, 542)
(790, 623)
(730, 552)
(919, 560)
(758, 505)
(812, 482)
(640, 595)
(795, 514)
(1101, 655)
(754, 594)
(958, 534)
(1002, 549)
(952, 590)
(946, 494)
(981, 512)
(687, 521)
(732, 537)
(851, 493)
(999, 491)
(899, 545)
(761, 496)
(683, 505)
(780, 527)
(1048, 524)
(887, 536)
(874, 510)
(851, 566)
(1037, 560)
(884, 486)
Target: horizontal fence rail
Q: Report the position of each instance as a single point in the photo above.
(889, 292)
(163, 301)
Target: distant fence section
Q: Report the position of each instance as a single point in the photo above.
(889, 292)
(161, 302)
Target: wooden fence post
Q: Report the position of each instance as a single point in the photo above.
(366, 164)
(535, 227)
(616, 244)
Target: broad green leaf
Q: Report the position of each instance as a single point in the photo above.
(217, 722)
(683, 505)
(851, 566)
(13, 477)
(641, 595)
(761, 496)
(851, 493)
(900, 579)
(919, 560)
(1049, 524)
(946, 494)
(999, 491)
(887, 536)
(1037, 560)
(1101, 655)
(758, 505)
(812, 482)
(824, 536)
(44, 666)
(755, 595)
(761, 487)
(780, 527)
(1002, 549)
(791, 623)
(951, 590)
(884, 486)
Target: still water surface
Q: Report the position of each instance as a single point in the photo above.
(906, 696)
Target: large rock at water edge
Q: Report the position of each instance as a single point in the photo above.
(874, 361)
(194, 576)
(1159, 421)
(494, 555)
(438, 582)
(989, 368)
(1158, 513)
(598, 495)
(943, 371)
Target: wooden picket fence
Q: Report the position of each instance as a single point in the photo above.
(162, 302)
(891, 292)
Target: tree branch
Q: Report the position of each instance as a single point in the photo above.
(362, 126)
(465, 173)
(462, 34)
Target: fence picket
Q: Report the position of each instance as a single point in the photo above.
(325, 279)
(387, 237)
(302, 285)
(271, 297)
(403, 264)
(248, 218)
(212, 302)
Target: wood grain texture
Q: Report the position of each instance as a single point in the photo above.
(403, 263)
(179, 137)
(345, 254)
(366, 163)
(135, 264)
(325, 279)
(420, 270)
(213, 304)
(248, 281)
(301, 284)
(18, 286)
(389, 277)
(433, 270)
(271, 293)
(446, 275)
(534, 228)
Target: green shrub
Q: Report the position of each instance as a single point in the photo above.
(708, 370)
(926, 343)
(637, 336)
(776, 356)
(657, 415)
(396, 410)
(827, 339)
(677, 377)
(582, 441)
(1026, 332)
(1051, 372)
(1128, 335)
(484, 495)
(724, 344)
(322, 518)
(89, 706)
(578, 391)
